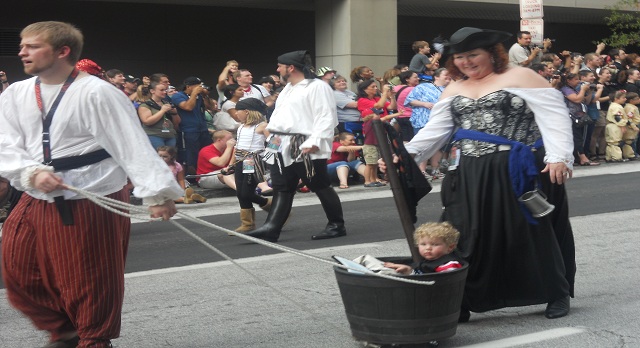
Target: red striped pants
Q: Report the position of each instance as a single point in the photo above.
(67, 278)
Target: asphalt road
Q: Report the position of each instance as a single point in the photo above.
(180, 293)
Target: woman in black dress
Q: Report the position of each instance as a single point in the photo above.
(500, 115)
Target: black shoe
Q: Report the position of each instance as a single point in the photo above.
(558, 308)
(464, 315)
(331, 231)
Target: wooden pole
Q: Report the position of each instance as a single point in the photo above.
(396, 188)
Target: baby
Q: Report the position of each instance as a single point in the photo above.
(435, 243)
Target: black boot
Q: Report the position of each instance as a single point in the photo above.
(333, 209)
(558, 308)
(280, 209)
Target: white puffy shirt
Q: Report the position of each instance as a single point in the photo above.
(550, 113)
(91, 115)
(308, 108)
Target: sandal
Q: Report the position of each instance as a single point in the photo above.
(344, 186)
(589, 163)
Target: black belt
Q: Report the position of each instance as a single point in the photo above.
(74, 162)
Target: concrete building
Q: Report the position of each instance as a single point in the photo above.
(195, 37)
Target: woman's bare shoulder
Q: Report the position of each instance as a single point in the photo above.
(520, 77)
(453, 88)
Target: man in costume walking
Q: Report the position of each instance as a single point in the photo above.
(301, 129)
(63, 256)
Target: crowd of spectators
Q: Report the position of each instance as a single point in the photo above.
(600, 88)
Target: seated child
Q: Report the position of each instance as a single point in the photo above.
(435, 243)
(168, 154)
(344, 159)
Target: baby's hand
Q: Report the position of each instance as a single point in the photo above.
(400, 268)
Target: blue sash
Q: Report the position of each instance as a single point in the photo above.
(522, 162)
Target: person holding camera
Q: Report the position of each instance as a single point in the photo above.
(595, 90)
(522, 53)
(576, 97)
(156, 118)
(190, 105)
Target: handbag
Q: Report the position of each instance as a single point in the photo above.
(580, 118)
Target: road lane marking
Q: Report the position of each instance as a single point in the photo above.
(245, 260)
(529, 338)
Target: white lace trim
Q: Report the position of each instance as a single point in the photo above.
(552, 158)
(27, 174)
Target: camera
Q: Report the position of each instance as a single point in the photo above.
(377, 111)
(205, 87)
(593, 86)
(555, 76)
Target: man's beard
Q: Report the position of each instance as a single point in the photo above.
(284, 78)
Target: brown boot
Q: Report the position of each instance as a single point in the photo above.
(267, 206)
(247, 217)
(198, 198)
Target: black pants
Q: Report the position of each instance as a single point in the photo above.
(287, 180)
(246, 189)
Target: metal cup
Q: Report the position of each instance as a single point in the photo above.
(537, 204)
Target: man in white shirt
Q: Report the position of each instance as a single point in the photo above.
(63, 262)
(301, 129)
(245, 80)
(522, 54)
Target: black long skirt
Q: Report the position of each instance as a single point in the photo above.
(511, 262)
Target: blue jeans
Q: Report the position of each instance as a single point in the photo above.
(193, 142)
(156, 142)
(332, 168)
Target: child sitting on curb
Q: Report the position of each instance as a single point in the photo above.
(168, 154)
(436, 242)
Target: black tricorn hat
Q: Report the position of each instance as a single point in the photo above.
(468, 38)
(252, 104)
(295, 58)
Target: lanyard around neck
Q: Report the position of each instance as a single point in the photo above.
(46, 121)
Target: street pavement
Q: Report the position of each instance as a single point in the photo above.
(285, 300)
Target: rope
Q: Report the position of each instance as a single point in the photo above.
(112, 204)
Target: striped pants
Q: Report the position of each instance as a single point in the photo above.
(67, 278)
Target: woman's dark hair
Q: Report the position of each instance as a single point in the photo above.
(497, 52)
(362, 86)
(229, 90)
(355, 73)
(565, 78)
(405, 75)
(623, 75)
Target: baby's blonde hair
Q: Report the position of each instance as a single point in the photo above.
(442, 230)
